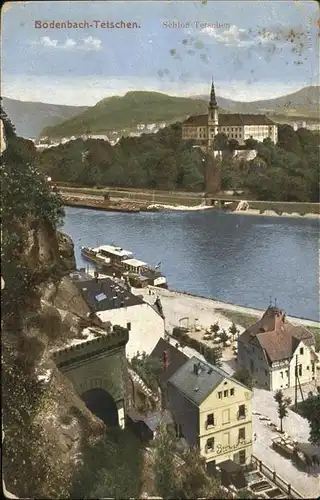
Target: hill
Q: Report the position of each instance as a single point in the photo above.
(123, 113)
(29, 118)
(302, 103)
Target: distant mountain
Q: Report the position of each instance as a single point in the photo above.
(123, 113)
(304, 102)
(30, 118)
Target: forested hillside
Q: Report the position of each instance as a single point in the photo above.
(287, 171)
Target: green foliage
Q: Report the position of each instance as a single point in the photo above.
(310, 409)
(111, 467)
(149, 369)
(155, 161)
(244, 376)
(184, 481)
(164, 461)
(287, 171)
(27, 200)
(212, 355)
(234, 331)
(27, 460)
(283, 405)
(290, 169)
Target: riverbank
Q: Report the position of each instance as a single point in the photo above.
(139, 200)
(205, 311)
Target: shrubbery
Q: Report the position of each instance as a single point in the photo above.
(211, 354)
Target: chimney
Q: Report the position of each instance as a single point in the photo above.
(165, 360)
(122, 303)
(96, 276)
(114, 301)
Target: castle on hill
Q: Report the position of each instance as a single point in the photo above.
(203, 128)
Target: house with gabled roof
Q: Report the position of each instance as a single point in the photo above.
(277, 353)
(213, 412)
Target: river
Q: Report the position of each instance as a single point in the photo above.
(235, 258)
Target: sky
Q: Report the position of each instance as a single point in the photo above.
(253, 50)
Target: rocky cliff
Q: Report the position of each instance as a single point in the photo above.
(44, 420)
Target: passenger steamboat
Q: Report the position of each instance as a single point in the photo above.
(116, 260)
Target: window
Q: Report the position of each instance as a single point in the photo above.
(242, 456)
(210, 419)
(220, 394)
(210, 445)
(281, 374)
(242, 411)
(308, 367)
(242, 433)
(231, 392)
(300, 370)
(129, 326)
(265, 372)
(301, 350)
(225, 393)
(226, 417)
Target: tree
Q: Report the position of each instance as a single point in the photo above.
(251, 143)
(283, 405)
(215, 328)
(244, 376)
(234, 331)
(233, 144)
(310, 409)
(224, 336)
(164, 464)
(220, 142)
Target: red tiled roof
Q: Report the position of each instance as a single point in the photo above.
(276, 336)
(229, 120)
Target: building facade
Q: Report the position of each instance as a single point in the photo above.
(203, 128)
(112, 302)
(213, 412)
(277, 353)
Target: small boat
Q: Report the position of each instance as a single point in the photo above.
(120, 262)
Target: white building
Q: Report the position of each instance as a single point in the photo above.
(112, 302)
(277, 353)
(237, 126)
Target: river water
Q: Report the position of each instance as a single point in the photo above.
(235, 258)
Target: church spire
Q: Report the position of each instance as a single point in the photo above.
(213, 100)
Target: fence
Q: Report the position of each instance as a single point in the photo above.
(275, 478)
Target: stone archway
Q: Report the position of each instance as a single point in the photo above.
(102, 404)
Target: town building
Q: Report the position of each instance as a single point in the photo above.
(203, 128)
(212, 411)
(277, 353)
(111, 302)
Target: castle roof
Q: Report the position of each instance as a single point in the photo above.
(229, 120)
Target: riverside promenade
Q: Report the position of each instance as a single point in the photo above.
(204, 311)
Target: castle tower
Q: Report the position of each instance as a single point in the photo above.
(213, 116)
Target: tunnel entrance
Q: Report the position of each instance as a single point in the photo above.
(102, 404)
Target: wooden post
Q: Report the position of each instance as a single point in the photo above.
(289, 489)
(260, 465)
(274, 476)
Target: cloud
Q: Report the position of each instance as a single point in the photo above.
(85, 44)
(233, 36)
(276, 36)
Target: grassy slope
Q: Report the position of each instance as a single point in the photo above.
(119, 113)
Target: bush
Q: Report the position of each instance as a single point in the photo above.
(211, 354)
